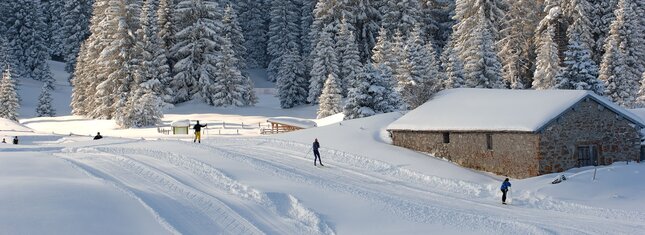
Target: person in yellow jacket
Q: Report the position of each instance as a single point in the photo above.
(198, 129)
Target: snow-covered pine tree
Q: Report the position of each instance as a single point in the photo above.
(579, 71)
(88, 73)
(167, 31)
(482, 68)
(118, 58)
(153, 64)
(306, 45)
(234, 31)
(619, 68)
(44, 108)
(53, 11)
(228, 87)
(372, 94)
(452, 67)
(381, 48)
(349, 58)
(81, 84)
(27, 30)
(424, 73)
(547, 65)
(604, 15)
(437, 21)
(640, 101)
(516, 46)
(8, 59)
(254, 20)
(283, 29)
(8, 97)
(292, 85)
(75, 29)
(325, 62)
(395, 60)
(467, 15)
(401, 15)
(331, 98)
(197, 49)
(364, 19)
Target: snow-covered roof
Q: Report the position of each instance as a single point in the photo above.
(472, 109)
(291, 121)
(180, 123)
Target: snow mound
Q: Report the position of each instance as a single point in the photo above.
(8, 125)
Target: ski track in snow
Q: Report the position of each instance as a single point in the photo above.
(303, 220)
(412, 195)
(598, 214)
(205, 213)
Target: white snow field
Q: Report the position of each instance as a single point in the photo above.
(144, 182)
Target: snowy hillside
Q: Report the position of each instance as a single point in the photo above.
(238, 182)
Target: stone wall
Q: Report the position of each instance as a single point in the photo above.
(588, 123)
(513, 154)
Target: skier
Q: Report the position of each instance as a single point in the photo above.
(98, 136)
(315, 147)
(198, 130)
(505, 185)
(4, 141)
(15, 140)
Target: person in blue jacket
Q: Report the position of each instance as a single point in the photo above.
(505, 185)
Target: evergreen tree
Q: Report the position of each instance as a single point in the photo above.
(619, 69)
(234, 31)
(372, 94)
(81, 84)
(349, 58)
(640, 101)
(603, 16)
(197, 50)
(54, 11)
(325, 63)
(254, 20)
(283, 29)
(88, 74)
(365, 22)
(229, 87)
(547, 61)
(75, 30)
(381, 49)
(118, 57)
(482, 68)
(8, 97)
(516, 45)
(579, 72)
(27, 30)
(401, 15)
(292, 85)
(7, 58)
(424, 73)
(44, 108)
(437, 21)
(395, 60)
(331, 98)
(167, 31)
(453, 67)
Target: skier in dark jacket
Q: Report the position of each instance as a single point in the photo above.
(15, 140)
(315, 147)
(505, 185)
(198, 130)
(98, 136)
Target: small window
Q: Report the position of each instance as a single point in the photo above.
(446, 137)
(489, 141)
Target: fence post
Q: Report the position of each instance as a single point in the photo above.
(219, 131)
(223, 124)
(238, 131)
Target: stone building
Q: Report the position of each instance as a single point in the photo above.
(521, 133)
